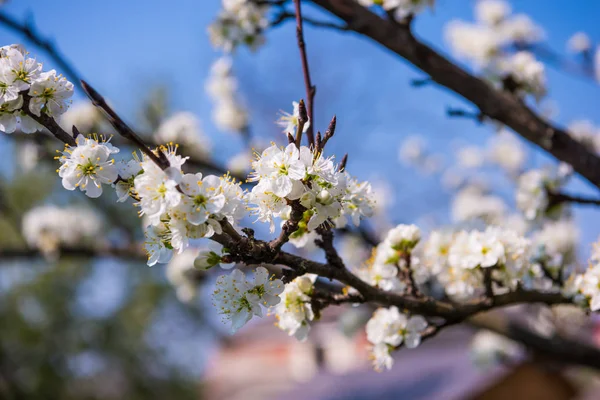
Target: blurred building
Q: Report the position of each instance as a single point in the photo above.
(261, 363)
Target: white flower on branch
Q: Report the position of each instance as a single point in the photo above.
(208, 259)
(476, 43)
(294, 311)
(88, 166)
(404, 8)
(527, 72)
(203, 197)
(532, 190)
(20, 74)
(400, 8)
(19, 71)
(127, 170)
(290, 122)
(241, 22)
(474, 249)
(157, 189)
(49, 94)
(387, 329)
(579, 43)
(492, 12)
(238, 299)
(327, 195)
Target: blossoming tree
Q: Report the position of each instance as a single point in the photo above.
(416, 284)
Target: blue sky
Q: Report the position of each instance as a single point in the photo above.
(125, 47)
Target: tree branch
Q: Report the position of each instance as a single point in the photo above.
(310, 88)
(285, 16)
(498, 105)
(559, 198)
(132, 253)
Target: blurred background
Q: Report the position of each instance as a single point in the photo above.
(83, 317)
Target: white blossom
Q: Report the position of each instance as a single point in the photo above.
(527, 72)
(532, 197)
(294, 311)
(241, 22)
(239, 299)
(49, 94)
(391, 328)
(88, 166)
(476, 249)
(492, 12)
(290, 122)
(479, 44)
(579, 43)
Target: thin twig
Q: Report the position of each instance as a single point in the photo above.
(48, 122)
(310, 88)
(284, 16)
(121, 127)
(559, 198)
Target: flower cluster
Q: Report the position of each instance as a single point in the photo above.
(486, 44)
(182, 207)
(381, 270)
(585, 287)
(387, 329)
(533, 187)
(400, 8)
(238, 299)
(229, 114)
(49, 227)
(241, 22)
(26, 90)
(294, 311)
(309, 180)
(457, 260)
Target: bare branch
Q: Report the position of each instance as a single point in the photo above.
(121, 127)
(559, 198)
(310, 88)
(284, 16)
(496, 104)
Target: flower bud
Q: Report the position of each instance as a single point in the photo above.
(325, 197)
(206, 260)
